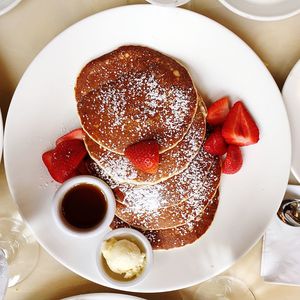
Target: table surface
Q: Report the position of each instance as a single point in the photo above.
(25, 30)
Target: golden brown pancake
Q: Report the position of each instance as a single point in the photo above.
(173, 190)
(172, 202)
(135, 93)
(171, 162)
(152, 208)
(181, 235)
(195, 223)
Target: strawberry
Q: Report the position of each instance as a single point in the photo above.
(76, 134)
(82, 168)
(215, 143)
(144, 155)
(55, 173)
(62, 162)
(119, 194)
(47, 159)
(239, 128)
(217, 112)
(233, 160)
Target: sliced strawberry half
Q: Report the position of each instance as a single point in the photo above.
(239, 127)
(233, 160)
(57, 174)
(144, 155)
(47, 159)
(62, 162)
(215, 143)
(217, 112)
(76, 134)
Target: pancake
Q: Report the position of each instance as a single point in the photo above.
(173, 190)
(169, 203)
(167, 193)
(177, 236)
(172, 162)
(135, 93)
(193, 188)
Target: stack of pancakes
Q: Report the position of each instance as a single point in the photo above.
(135, 93)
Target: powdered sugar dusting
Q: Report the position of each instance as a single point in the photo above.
(95, 170)
(174, 189)
(180, 235)
(132, 94)
(136, 104)
(172, 161)
(173, 202)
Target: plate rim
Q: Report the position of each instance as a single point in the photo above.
(89, 296)
(179, 3)
(191, 282)
(296, 66)
(250, 16)
(9, 7)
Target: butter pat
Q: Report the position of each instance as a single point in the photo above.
(123, 257)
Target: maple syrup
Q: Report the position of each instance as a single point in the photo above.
(83, 207)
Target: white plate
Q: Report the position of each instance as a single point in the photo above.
(103, 296)
(7, 5)
(168, 2)
(43, 108)
(263, 10)
(291, 96)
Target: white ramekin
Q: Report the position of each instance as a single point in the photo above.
(67, 186)
(142, 241)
